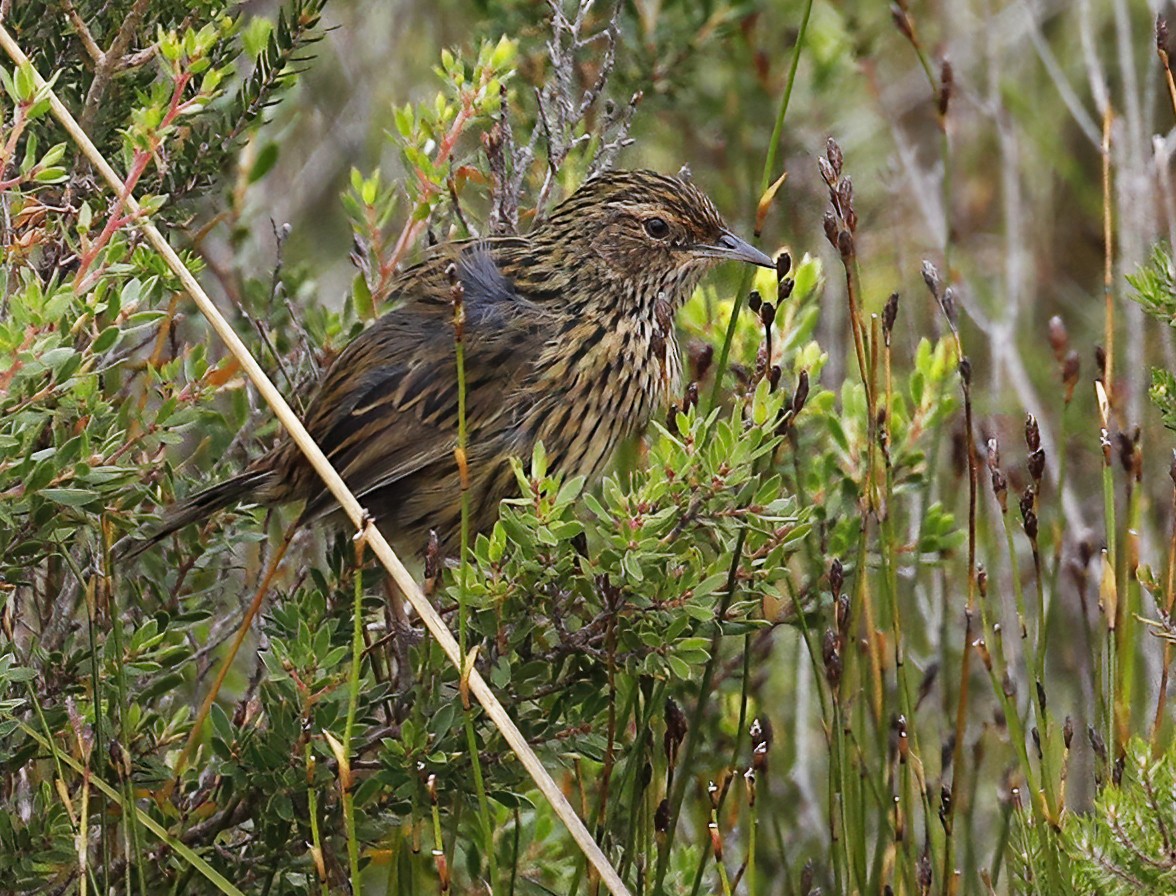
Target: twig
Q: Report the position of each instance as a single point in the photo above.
(108, 63)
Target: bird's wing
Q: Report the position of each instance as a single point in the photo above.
(387, 407)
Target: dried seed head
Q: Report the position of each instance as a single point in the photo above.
(1027, 513)
(1096, 743)
(1041, 696)
(829, 221)
(931, 278)
(993, 458)
(661, 817)
(761, 732)
(902, 21)
(985, 654)
(966, 370)
(691, 398)
(1036, 464)
(755, 301)
(1059, 339)
(1032, 432)
(1100, 361)
(1036, 741)
(759, 758)
(675, 723)
(845, 244)
(800, 396)
(1126, 451)
(806, 878)
(828, 175)
(774, 376)
(889, 315)
(1068, 732)
(948, 304)
(837, 572)
(946, 86)
(845, 196)
(783, 265)
(1071, 369)
(432, 556)
(924, 874)
(833, 153)
(841, 614)
(767, 313)
(831, 653)
(1117, 770)
(1000, 489)
(784, 289)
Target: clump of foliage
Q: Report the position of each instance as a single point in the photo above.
(1124, 845)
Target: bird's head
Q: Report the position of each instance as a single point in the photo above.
(649, 229)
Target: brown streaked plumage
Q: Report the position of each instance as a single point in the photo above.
(569, 338)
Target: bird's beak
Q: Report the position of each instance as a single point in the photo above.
(729, 247)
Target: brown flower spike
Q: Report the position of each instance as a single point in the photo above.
(565, 341)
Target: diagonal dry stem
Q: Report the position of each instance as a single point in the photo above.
(366, 528)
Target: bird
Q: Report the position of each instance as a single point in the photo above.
(568, 339)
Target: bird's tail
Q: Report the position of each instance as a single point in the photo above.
(193, 509)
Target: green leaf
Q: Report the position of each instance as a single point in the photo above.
(69, 497)
(265, 161)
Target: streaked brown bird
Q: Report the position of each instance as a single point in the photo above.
(569, 339)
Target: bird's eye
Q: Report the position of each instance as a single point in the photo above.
(657, 228)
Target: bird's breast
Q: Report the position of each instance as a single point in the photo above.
(618, 373)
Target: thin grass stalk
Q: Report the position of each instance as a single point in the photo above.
(131, 841)
(189, 855)
(961, 723)
(316, 840)
(439, 859)
(1132, 600)
(1109, 597)
(752, 833)
(630, 779)
(1157, 745)
(839, 833)
(345, 779)
(907, 733)
(1030, 646)
(694, 728)
(461, 458)
(1063, 470)
(1042, 616)
(130, 820)
(195, 734)
(765, 181)
(96, 678)
(1108, 256)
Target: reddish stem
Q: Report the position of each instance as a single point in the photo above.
(83, 282)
